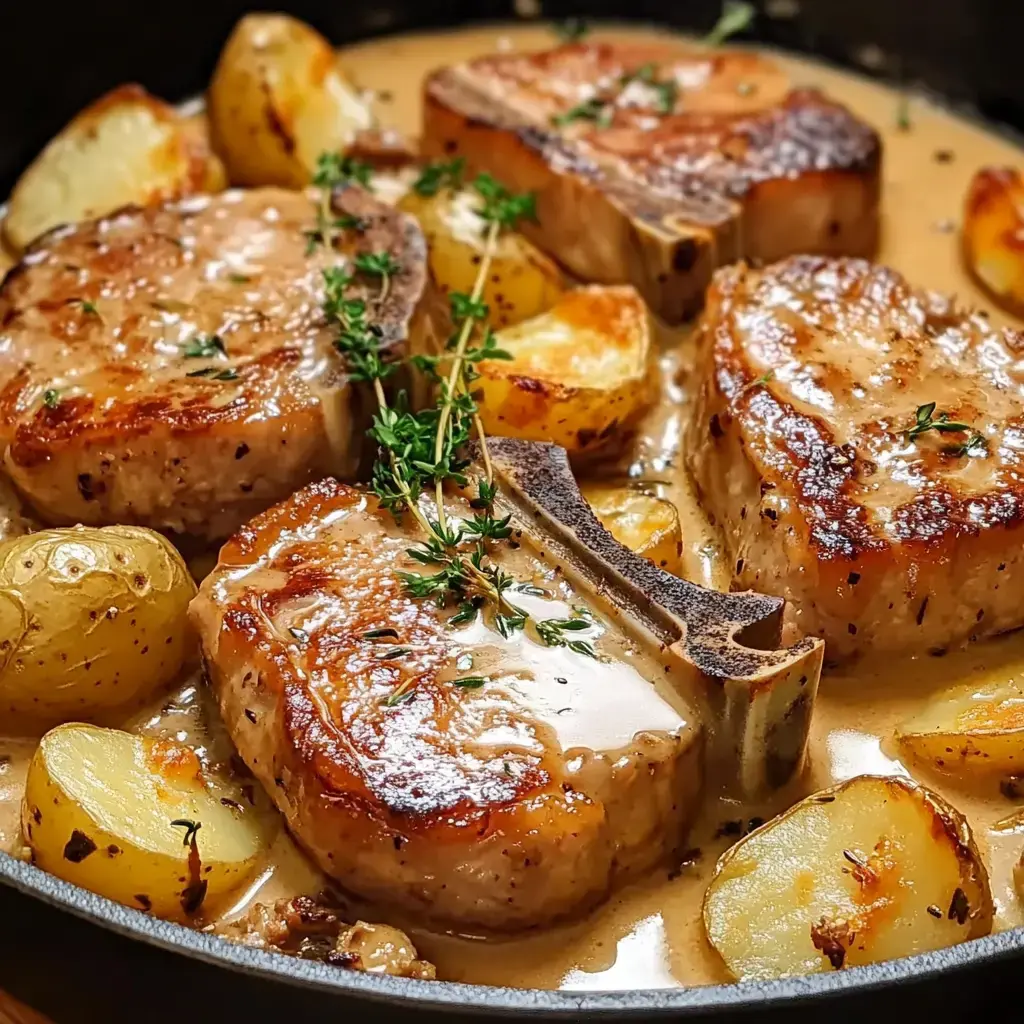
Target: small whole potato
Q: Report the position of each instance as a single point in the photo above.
(90, 619)
(277, 100)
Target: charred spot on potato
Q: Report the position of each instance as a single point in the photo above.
(959, 907)
(143, 901)
(832, 938)
(78, 847)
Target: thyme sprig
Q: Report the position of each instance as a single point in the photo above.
(925, 420)
(332, 170)
(736, 17)
(423, 448)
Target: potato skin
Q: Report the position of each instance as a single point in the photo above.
(870, 870)
(126, 148)
(581, 375)
(92, 619)
(98, 811)
(970, 731)
(277, 100)
(992, 233)
(522, 282)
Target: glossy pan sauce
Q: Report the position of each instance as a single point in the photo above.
(650, 934)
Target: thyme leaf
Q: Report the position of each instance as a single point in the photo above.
(736, 17)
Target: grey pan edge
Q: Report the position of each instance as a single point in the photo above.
(457, 996)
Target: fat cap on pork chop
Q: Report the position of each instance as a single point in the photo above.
(654, 164)
(172, 367)
(497, 804)
(811, 447)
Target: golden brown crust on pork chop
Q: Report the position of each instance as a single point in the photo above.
(813, 371)
(500, 806)
(103, 418)
(659, 189)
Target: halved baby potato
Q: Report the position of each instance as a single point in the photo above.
(126, 148)
(973, 730)
(993, 234)
(522, 282)
(641, 522)
(111, 812)
(90, 619)
(581, 375)
(278, 99)
(870, 870)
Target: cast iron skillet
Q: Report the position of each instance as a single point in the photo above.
(52, 65)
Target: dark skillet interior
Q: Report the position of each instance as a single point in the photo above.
(55, 61)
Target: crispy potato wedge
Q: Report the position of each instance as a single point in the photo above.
(643, 523)
(870, 870)
(99, 809)
(90, 619)
(581, 375)
(523, 282)
(126, 148)
(993, 234)
(278, 99)
(970, 731)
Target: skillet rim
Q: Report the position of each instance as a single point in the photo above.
(413, 993)
(462, 997)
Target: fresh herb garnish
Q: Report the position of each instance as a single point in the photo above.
(925, 420)
(379, 634)
(470, 682)
(552, 631)
(593, 109)
(394, 652)
(571, 30)
(418, 450)
(51, 398)
(333, 169)
(239, 278)
(190, 827)
(87, 307)
(378, 264)
(214, 374)
(205, 346)
(735, 17)
(439, 175)
(903, 121)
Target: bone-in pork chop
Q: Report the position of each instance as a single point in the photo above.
(479, 781)
(861, 445)
(171, 366)
(655, 164)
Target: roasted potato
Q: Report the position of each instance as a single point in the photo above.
(873, 869)
(644, 524)
(102, 808)
(581, 375)
(522, 282)
(970, 731)
(278, 99)
(126, 148)
(90, 619)
(993, 234)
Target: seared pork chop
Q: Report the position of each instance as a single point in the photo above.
(654, 165)
(440, 769)
(861, 445)
(172, 367)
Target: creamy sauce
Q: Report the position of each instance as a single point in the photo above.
(649, 935)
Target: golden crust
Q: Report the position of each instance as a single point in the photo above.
(813, 370)
(101, 316)
(671, 195)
